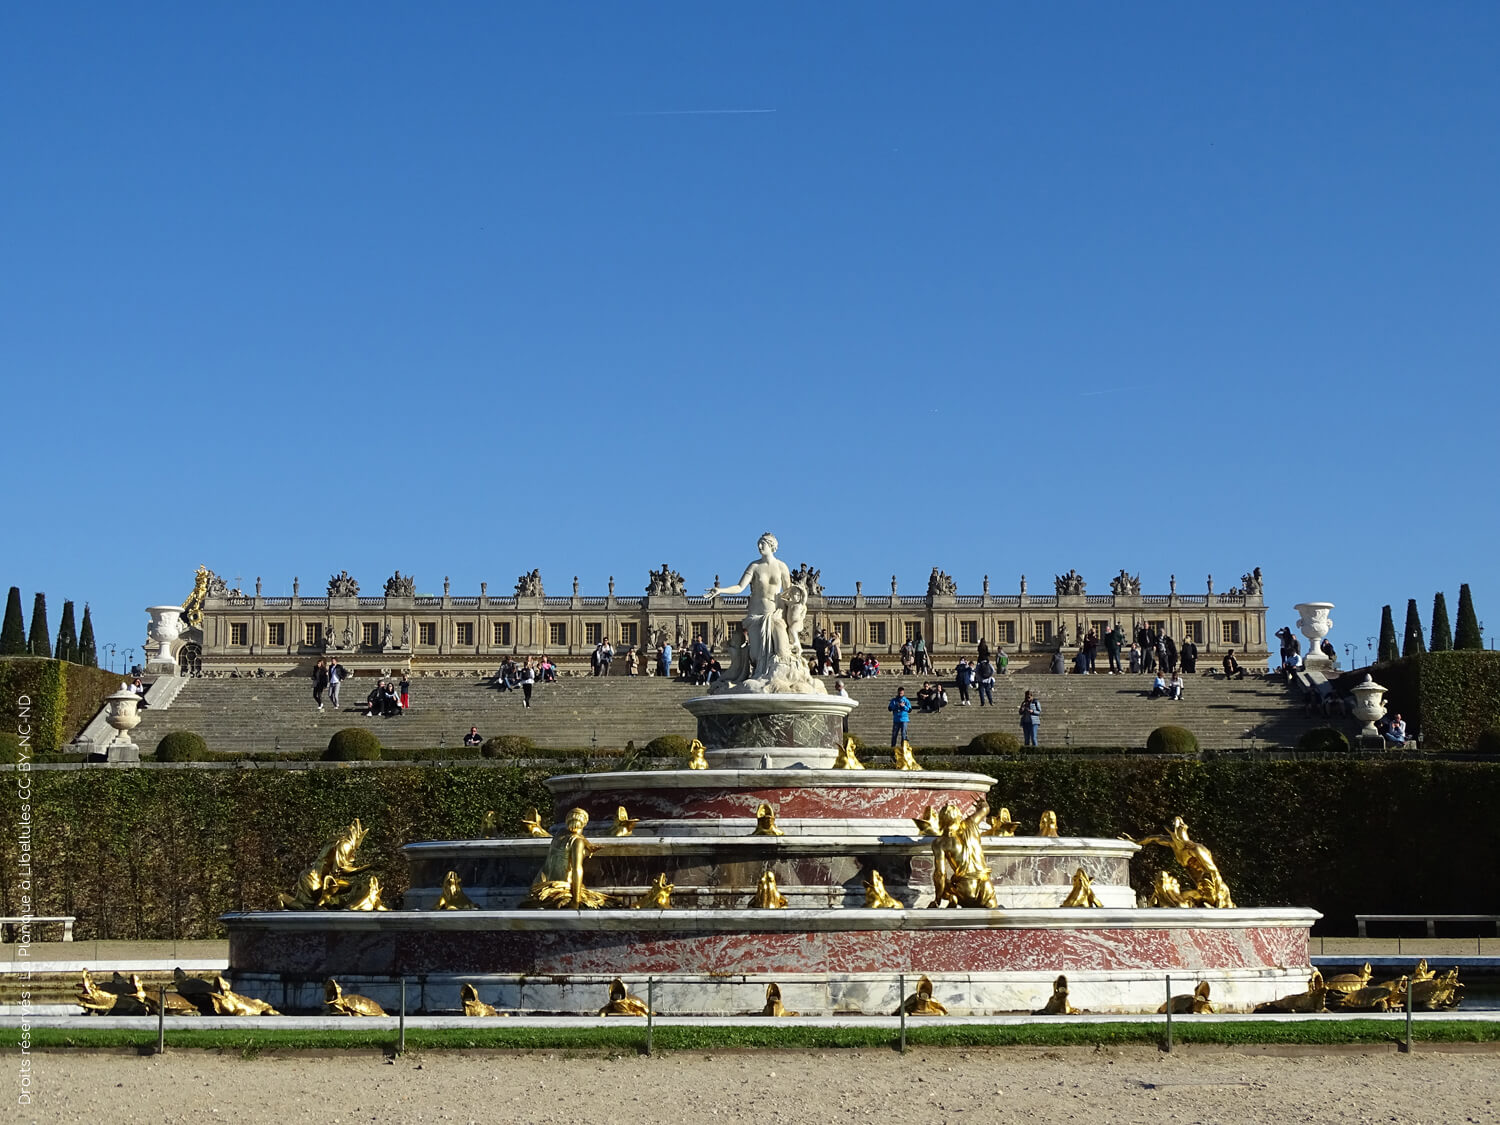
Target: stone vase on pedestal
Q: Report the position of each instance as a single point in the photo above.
(1369, 707)
(1315, 624)
(166, 627)
(124, 716)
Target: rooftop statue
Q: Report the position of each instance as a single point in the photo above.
(530, 585)
(1070, 583)
(770, 657)
(941, 584)
(665, 581)
(1124, 583)
(810, 579)
(341, 585)
(400, 585)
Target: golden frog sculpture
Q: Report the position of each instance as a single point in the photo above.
(920, 1002)
(657, 897)
(1047, 825)
(848, 758)
(1082, 893)
(468, 997)
(624, 823)
(774, 1007)
(532, 822)
(622, 1002)
(453, 897)
(768, 896)
(765, 821)
(1001, 823)
(697, 759)
(877, 897)
(1195, 1002)
(1057, 1004)
(904, 758)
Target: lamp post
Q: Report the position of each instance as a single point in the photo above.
(1349, 654)
(125, 663)
(109, 657)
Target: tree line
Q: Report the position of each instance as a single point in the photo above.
(1443, 639)
(73, 645)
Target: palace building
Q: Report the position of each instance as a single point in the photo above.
(230, 632)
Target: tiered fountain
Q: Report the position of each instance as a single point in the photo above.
(776, 792)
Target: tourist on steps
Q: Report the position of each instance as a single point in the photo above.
(320, 683)
(900, 709)
(1031, 720)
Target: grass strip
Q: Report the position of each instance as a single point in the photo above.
(631, 1036)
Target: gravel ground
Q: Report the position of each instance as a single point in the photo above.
(1125, 1085)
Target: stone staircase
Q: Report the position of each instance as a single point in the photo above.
(1098, 710)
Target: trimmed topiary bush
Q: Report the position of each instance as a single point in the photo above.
(1324, 740)
(1171, 740)
(181, 746)
(507, 746)
(994, 742)
(353, 744)
(668, 746)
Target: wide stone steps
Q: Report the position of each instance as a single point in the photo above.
(1099, 710)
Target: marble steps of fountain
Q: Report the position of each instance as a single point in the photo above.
(261, 714)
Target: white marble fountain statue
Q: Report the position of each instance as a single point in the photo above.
(783, 860)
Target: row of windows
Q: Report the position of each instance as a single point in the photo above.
(372, 633)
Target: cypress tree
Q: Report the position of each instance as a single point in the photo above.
(1442, 633)
(39, 640)
(1386, 650)
(67, 637)
(88, 654)
(13, 635)
(1468, 624)
(1412, 645)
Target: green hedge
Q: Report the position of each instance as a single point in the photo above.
(181, 746)
(1449, 698)
(353, 744)
(1171, 740)
(161, 853)
(64, 697)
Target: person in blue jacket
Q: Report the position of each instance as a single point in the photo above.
(900, 708)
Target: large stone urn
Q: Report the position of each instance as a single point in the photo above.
(1315, 625)
(1369, 706)
(166, 627)
(124, 715)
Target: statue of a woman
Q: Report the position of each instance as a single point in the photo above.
(770, 649)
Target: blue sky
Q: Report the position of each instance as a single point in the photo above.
(1005, 289)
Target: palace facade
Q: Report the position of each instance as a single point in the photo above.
(229, 632)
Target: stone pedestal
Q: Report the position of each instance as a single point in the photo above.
(124, 716)
(771, 730)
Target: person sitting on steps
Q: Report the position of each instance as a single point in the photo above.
(1232, 669)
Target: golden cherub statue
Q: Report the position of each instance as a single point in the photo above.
(904, 758)
(921, 1003)
(767, 895)
(1001, 823)
(697, 760)
(960, 871)
(453, 897)
(624, 823)
(1209, 888)
(1047, 826)
(473, 1006)
(352, 1004)
(559, 884)
(876, 896)
(658, 896)
(1082, 893)
(848, 759)
(1057, 1004)
(532, 822)
(1313, 1000)
(765, 821)
(774, 1007)
(622, 1002)
(1195, 1002)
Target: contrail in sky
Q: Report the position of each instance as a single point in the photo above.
(691, 112)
